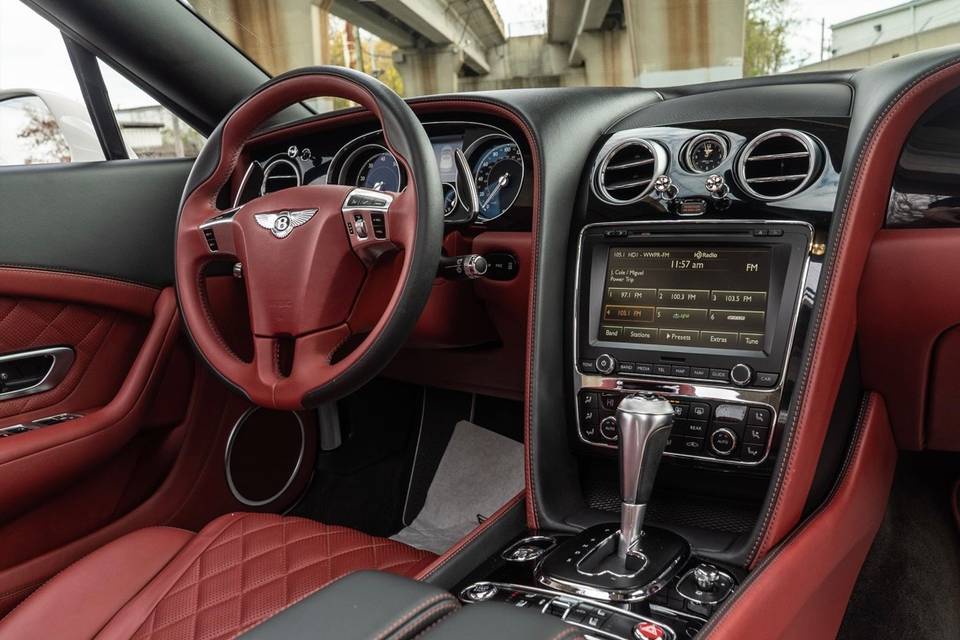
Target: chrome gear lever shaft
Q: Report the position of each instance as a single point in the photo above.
(645, 421)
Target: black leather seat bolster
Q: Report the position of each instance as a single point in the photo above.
(375, 605)
(366, 604)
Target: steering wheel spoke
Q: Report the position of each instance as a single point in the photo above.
(220, 233)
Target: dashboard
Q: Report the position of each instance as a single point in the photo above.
(497, 170)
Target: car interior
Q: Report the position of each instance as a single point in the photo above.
(619, 363)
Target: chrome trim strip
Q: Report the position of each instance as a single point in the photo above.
(671, 634)
(244, 181)
(229, 452)
(62, 360)
(769, 398)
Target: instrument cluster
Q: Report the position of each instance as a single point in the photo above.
(482, 167)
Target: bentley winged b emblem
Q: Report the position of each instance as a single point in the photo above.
(282, 224)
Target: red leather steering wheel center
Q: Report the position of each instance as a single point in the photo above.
(302, 274)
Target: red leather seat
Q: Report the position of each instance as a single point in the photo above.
(163, 583)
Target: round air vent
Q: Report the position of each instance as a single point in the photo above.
(778, 164)
(279, 174)
(627, 170)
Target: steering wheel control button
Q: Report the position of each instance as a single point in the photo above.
(723, 441)
(606, 364)
(741, 375)
(759, 417)
(379, 224)
(609, 430)
(360, 226)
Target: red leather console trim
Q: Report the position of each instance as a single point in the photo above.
(450, 553)
(80, 288)
(36, 463)
(238, 570)
(802, 588)
(908, 355)
(83, 598)
(865, 209)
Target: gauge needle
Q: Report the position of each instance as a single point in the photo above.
(501, 183)
(378, 186)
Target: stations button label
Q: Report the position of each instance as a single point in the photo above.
(679, 336)
(637, 334)
(756, 300)
(681, 317)
(683, 297)
(719, 339)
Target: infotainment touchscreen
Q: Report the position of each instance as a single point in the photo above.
(696, 296)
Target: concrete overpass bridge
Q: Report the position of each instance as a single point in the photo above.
(461, 45)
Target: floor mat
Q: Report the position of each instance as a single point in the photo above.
(479, 472)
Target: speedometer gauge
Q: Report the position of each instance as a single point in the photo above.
(498, 174)
(380, 173)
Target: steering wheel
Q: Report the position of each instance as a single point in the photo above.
(335, 276)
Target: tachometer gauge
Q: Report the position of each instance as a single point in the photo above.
(450, 198)
(498, 174)
(705, 152)
(380, 173)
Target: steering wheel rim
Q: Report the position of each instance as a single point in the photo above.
(312, 276)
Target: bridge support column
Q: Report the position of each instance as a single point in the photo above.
(429, 70)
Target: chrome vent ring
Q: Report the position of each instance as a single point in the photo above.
(778, 164)
(627, 170)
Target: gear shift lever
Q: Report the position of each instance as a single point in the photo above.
(624, 563)
(645, 422)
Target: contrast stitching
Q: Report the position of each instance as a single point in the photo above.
(866, 409)
(812, 358)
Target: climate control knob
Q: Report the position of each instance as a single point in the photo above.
(606, 363)
(723, 441)
(741, 375)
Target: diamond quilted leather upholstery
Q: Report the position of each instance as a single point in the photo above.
(238, 570)
(27, 324)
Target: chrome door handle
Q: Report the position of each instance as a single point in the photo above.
(28, 372)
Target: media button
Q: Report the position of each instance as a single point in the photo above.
(681, 317)
(623, 295)
(679, 336)
(635, 334)
(751, 340)
(684, 297)
(739, 299)
(608, 332)
(736, 320)
(719, 339)
(643, 367)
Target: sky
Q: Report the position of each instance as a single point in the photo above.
(32, 53)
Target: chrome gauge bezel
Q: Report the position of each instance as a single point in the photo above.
(456, 198)
(274, 162)
(693, 142)
(365, 152)
(471, 160)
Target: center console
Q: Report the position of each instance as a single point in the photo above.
(703, 313)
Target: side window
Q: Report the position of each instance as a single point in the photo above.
(42, 114)
(149, 129)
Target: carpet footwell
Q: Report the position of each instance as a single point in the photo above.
(909, 586)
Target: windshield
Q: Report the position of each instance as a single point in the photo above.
(421, 47)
